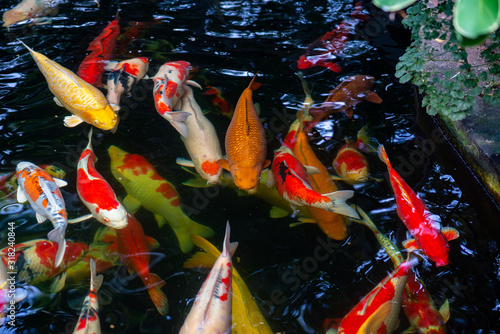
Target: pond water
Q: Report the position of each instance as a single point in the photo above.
(227, 42)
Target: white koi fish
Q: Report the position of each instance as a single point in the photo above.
(31, 9)
(202, 142)
(211, 312)
(88, 322)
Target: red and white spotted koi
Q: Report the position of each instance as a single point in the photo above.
(42, 192)
(212, 309)
(96, 193)
(88, 322)
(168, 89)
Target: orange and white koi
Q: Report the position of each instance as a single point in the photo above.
(378, 311)
(145, 187)
(168, 89)
(201, 142)
(245, 142)
(86, 102)
(31, 9)
(123, 77)
(412, 211)
(290, 178)
(96, 193)
(212, 309)
(42, 192)
(88, 321)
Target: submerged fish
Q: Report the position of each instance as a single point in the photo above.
(219, 101)
(86, 103)
(123, 77)
(246, 146)
(88, 321)
(31, 9)
(212, 309)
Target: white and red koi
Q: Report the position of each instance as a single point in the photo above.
(412, 211)
(96, 193)
(123, 77)
(290, 178)
(88, 322)
(31, 9)
(42, 192)
(168, 89)
(202, 142)
(211, 312)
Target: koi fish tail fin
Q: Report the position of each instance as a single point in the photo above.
(57, 235)
(154, 285)
(365, 143)
(334, 67)
(339, 205)
(184, 234)
(382, 154)
(95, 281)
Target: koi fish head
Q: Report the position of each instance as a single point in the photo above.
(126, 166)
(351, 165)
(246, 178)
(104, 118)
(13, 16)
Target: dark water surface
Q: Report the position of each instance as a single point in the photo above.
(228, 42)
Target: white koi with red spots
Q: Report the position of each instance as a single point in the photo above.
(202, 142)
(169, 83)
(42, 192)
(96, 193)
(88, 322)
(211, 312)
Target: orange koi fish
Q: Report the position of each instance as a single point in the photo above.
(42, 192)
(96, 193)
(31, 9)
(35, 261)
(123, 77)
(86, 103)
(378, 311)
(290, 178)
(412, 211)
(219, 101)
(212, 309)
(145, 187)
(88, 321)
(245, 143)
(92, 67)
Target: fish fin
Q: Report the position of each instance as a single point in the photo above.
(184, 234)
(193, 83)
(445, 310)
(303, 221)
(411, 245)
(160, 220)
(185, 162)
(373, 97)
(60, 183)
(339, 205)
(115, 107)
(200, 259)
(256, 106)
(196, 182)
(266, 163)
(382, 154)
(372, 324)
(232, 247)
(157, 296)
(410, 330)
(311, 170)
(270, 179)
(224, 164)
(131, 204)
(205, 245)
(40, 219)
(95, 281)
(72, 121)
(57, 235)
(336, 178)
(109, 64)
(450, 233)
(21, 196)
(334, 67)
(277, 212)
(349, 112)
(58, 283)
(80, 219)
(180, 127)
(56, 100)
(152, 243)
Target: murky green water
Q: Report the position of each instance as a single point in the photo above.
(227, 42)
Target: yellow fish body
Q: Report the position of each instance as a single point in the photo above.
(247, 317)
(86, 103)
(145, 187)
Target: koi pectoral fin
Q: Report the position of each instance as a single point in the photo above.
(72, 121)
(21, 196)
(450, 233)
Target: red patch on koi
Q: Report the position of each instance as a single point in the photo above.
(136, 163)
(96, 191)
(176, 202)
(171, 89)
(131, 69)
(210, 167)
(167, 190)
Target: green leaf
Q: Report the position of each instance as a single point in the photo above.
(464, 41)
(392, 5)
(405, 78)
(473, 18)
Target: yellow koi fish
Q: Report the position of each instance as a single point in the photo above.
(86, 103)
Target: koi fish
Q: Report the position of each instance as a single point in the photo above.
(212, 309)
(88, 321)
(92, 67)
(350, 164)
(201, 141)
(86, 103)
(290, 178)
(96, 193)
(247, 317)
(31, 9)
(8, 292)
(145, 187)
(42, 192)
(349, 93)
(134, 249)
(412, 211)
(219, 101)
(245, 143)
(169, 83)
(123, 77)
(35, 261)
(378, 311)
